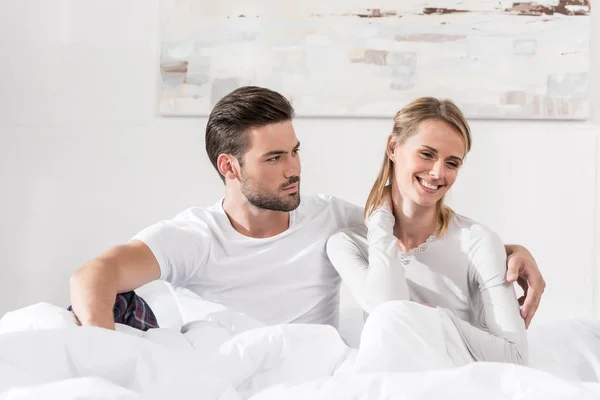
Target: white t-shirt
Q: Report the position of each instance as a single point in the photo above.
(462, 272)
(282, 279)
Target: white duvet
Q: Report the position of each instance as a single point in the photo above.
(229, 356)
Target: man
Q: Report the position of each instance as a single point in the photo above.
(259, 250)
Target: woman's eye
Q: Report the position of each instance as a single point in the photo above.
(426, 154)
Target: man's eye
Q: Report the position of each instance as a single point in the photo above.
(274, 159)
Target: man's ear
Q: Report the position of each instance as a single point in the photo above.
(228, 166)
(391, 146)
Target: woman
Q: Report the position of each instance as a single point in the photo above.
(440, 275)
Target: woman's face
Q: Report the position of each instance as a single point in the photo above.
(427, 162)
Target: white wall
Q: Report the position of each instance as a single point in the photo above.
(85, 162)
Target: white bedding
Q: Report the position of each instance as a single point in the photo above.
(226, 356)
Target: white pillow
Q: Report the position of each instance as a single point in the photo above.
(35, 317)
(175, 307)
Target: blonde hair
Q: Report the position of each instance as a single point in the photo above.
(406, 122)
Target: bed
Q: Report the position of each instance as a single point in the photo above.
(204, 351)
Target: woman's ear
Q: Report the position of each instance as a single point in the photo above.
(391, 147)
(228, 166)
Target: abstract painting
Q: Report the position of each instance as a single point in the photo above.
(347, 58)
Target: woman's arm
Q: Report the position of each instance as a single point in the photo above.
(504, 338)
(367, 260)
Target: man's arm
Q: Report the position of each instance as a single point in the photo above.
(522, 268)
(96, 284)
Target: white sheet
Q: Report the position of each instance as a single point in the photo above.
(80, 389)
(471, 382)
(229, 356)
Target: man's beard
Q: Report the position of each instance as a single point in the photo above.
(266, 200)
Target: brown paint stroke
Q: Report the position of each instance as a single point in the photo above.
(440, 11)
(376, 13)
(174, 67)
(430, 37)
(375, 57)
(534, 9)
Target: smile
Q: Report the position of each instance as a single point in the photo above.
(429, 187)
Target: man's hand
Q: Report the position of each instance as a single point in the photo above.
(120, 269)
(522, 268)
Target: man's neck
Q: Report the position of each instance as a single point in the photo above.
(252, 221)
(414, 224)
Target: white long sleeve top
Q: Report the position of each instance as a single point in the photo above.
(462, 272)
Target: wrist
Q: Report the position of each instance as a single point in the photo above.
(383, 211)
(100, 320)
(512, 249)
(519, 250)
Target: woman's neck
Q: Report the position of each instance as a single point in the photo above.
(414, 223)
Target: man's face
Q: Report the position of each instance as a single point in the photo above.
(270, 172)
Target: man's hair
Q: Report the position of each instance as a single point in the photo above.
(245, 108)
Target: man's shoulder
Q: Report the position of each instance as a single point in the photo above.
(198, 217)
(316, 200)
(192, 225)
(325, 201)
(343, 213)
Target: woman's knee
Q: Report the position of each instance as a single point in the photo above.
(395, 308)
(399, 315)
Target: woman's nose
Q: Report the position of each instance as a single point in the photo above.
(437, 172)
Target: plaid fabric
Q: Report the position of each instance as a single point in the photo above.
(130, 309)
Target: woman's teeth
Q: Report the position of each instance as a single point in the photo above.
(428, 185)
